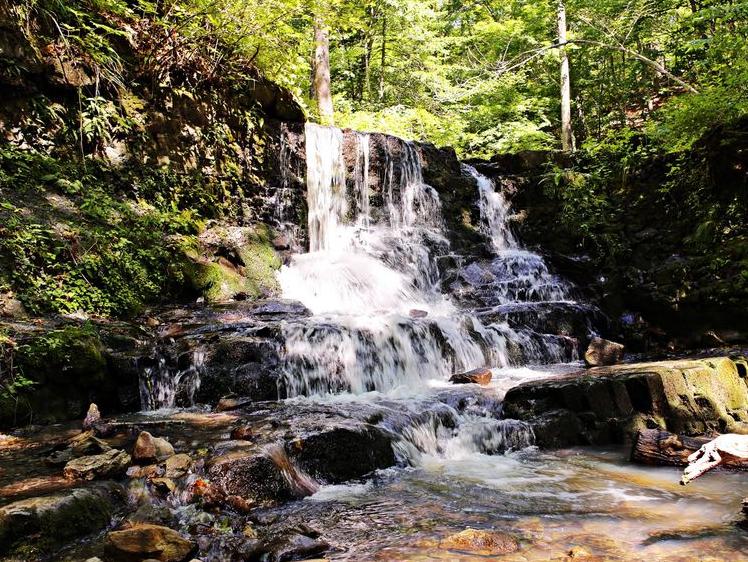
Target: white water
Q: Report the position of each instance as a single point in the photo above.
(381, 321)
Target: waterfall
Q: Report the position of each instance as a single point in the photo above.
(325, 184)
(494, 212)
(362, 179)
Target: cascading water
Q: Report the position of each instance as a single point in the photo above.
(380, 319)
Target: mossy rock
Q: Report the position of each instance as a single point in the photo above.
(43, 523)
(230, 261)
(609, 404)
(74, 353)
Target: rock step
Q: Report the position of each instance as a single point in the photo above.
(605, 405)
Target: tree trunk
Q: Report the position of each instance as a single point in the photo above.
(322, 92)
(567, 135)
(384, 55)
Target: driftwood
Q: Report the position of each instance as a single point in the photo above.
(697, 454)
(730, 450)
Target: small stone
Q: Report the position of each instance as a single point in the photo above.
(148, 471)
(152, 322)
(227, 403)
(476, 376)
(482, 542)
(415, 313)
(242, 432)
(164, 485)
(92, 417)
(147, 541)
(178, 465)
(109, 464)
(603, 352)
(149, 448)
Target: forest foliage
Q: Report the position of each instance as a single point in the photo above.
(481, 76)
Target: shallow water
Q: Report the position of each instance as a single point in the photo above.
(551, 502)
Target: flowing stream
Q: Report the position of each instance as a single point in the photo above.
(390, 323)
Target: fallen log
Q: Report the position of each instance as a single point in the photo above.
(653, 446)
(697, 454)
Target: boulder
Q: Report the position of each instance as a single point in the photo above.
(605, 405)
(148, 448)
(476, 376)
(147, 541)
(487, 543)
(60, 517)
(603, 352)
(110, 464)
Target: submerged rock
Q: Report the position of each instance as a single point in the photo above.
(476, 376)
(603, 352)
(294, 547)
(147, 542)
(110, 464)
(481, 542)
(610, 404)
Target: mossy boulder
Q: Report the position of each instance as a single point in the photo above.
(232, 262)
(610, 404)
(49, 521)
(66, 367)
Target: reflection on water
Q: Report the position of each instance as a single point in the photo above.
(551, 502)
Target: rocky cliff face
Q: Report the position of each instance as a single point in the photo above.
(663, 255)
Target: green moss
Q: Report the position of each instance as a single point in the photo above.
(74, 352)
(218, 280)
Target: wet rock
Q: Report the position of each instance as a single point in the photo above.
(415, 313)
(227, 404)
(581, 554)
(151, 513)
(178, 465)
(92, 417)
(342, 453)
(206, 493)
(252, 476)
(604, 405)
(603, 352)
(81, 445)
(294, 547)
(476, 376)
(148, 471)
(242, 433)
(147, 541)
(110, 464)
(164, 485)
(60, 517)
(149, 448)
(481, 542)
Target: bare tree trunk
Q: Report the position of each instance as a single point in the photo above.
(384, 55)
(321, 73)
(567, 135)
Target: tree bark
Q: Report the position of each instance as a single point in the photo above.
(384, 56)
(567, 135)
(322, 91)
(653, 446)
